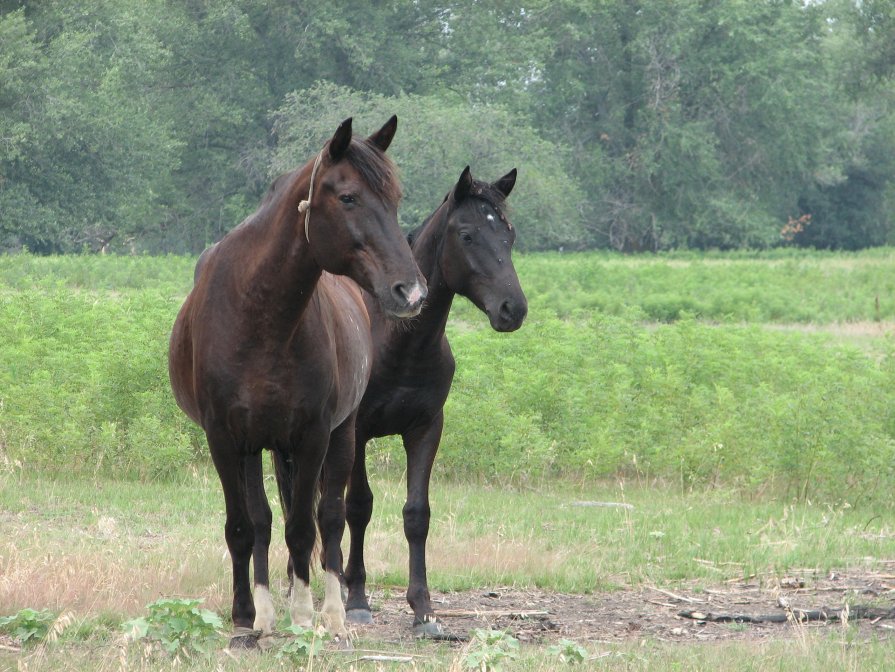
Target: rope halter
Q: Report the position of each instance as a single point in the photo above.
(305, 206)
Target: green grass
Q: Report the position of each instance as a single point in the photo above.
(834, 652)
(741, 404)
(170, 535)
(99, 551)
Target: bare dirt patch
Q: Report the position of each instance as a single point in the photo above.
(542, 617)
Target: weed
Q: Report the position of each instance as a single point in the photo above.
(304, 644)
(490, 649)
(28, 625)
(568, 652)
(179, 625)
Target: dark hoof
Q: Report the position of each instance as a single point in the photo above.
(245, 641)
(359, 616)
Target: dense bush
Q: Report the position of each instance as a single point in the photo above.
(605, 395)
(591, 386)
(84, 383)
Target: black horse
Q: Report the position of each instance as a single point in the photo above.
(463, 248)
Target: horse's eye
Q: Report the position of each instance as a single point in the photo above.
(465, 237)
(347, 199)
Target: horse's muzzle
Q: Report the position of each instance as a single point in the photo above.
(408, 299)
(509, 315)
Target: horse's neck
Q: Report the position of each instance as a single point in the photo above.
(280, 273)
(430, 325)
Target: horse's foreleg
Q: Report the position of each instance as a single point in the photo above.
(261, 517)
(331, 516)
(238, 529)
(359, 510)
(421, 445)
(308, 452)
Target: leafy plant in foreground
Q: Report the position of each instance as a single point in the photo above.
(306, 643)
(27, 624)
(568, 651)
(490, 649)
(179, 625)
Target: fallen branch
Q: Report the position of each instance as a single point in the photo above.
(679, 598)
(386, 659)
(797, 615)
(493, 613)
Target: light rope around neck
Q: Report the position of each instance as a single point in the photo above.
(305, 206)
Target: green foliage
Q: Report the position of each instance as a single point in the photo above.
(27, 625)
(605, 396)
(666, 367)
(179, 626)
(637, 126)
(568, 652)
(304, 644)
(84, 381)
(780, 286)
(490, 650)
(437, 137)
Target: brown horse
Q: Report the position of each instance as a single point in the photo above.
(272, 348)
(463, 248)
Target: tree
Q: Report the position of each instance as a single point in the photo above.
(436, 139)
(85, 160)
(701, 120)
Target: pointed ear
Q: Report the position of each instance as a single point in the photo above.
(506, 183)
(463, 186)
(340, 140)
(384, 136)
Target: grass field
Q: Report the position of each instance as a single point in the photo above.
(99, 551)
(743, 405)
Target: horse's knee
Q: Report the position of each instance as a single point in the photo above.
(359, 508)
(240, 537)
(416, 521)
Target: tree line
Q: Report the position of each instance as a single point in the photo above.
(156, 126)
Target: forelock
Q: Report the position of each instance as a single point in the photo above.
(376, 169)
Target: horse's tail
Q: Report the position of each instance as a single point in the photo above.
(282, 465)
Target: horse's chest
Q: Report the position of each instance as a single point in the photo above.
(394, 408)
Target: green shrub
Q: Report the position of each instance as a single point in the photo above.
(179, 626)
(28, 625)
(591, 386)
(489, 650)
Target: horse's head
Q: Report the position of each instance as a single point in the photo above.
(475, 256)
(352, 219)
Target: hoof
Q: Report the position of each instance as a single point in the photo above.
(245, 641)
(359, 616)
(342, 643)
(428, 630)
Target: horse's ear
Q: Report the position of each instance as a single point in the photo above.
(463, 186)
(384, 136)
(506, 183)
(340, 140)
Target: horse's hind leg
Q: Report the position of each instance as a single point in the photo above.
(359, 510)
(261, 517)
(238, 529)
(331, 518)
(421, 445)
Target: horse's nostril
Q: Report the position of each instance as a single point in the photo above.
(411, 294)
(506, 310)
